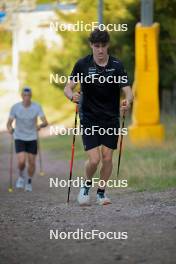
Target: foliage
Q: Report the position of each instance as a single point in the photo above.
(122, 43)
(35, 72)
(6, 39)
(45, 1)
(76, 44)
(165, 15)
(37, 65)
(41, 62)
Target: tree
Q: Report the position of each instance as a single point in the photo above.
(165, 15)
(76, 44)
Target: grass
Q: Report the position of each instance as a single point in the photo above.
(60, 146)
(148, 168)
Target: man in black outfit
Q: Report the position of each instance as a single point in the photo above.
(101, 77)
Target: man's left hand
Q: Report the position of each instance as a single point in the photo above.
(125, 105)
(38, 127)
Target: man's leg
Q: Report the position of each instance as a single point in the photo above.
(31, 171)
(21, 160)
(105, 173)
(31, 149)
(106, 168)
(92, 163)
(31, 164)
(90, 168)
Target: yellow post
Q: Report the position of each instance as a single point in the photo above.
(146, 127)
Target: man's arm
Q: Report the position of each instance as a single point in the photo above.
(9, 125)
(126, 103)
(68, 91)
(43, 124)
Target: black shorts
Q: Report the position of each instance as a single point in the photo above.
(26, 146)
(108, 139)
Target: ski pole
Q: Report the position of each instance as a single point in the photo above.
(10, 189)
(121, 142)
(72, 154)
(40, 157)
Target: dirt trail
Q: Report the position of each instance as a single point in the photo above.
(27, 218)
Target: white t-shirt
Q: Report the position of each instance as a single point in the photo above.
(26, 120)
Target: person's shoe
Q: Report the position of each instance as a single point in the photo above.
(28, 187)
(20, 183)
(102, 199)
(83, 196)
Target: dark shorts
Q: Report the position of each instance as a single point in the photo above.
(108, 139)
(26, 146)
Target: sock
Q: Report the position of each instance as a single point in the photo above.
(21, 173)
(100, 190)
(88, 183)
(29, 180)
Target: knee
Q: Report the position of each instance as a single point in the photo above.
(21, 163)
(32, 164)
(94, 162)
(106, 159)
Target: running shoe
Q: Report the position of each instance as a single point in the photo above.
(102, 199)
(83, 196)
(20, 183)
(28, 187)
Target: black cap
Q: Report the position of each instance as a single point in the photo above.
(26, 90)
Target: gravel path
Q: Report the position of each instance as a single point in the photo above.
(27, 218)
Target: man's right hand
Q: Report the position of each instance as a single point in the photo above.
(76, 97)
(11, 130)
